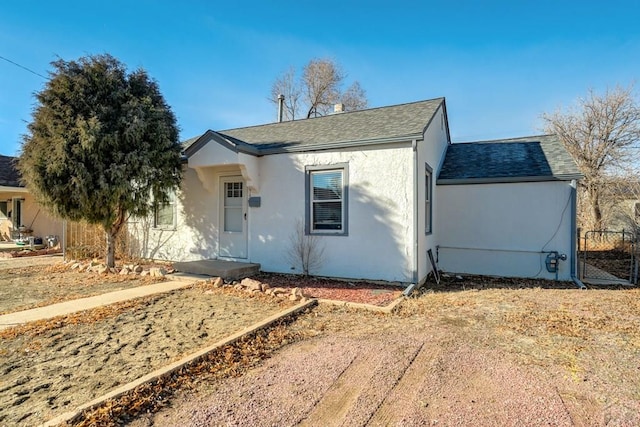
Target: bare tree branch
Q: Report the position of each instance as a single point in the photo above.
(354, 98)
(601, 133)
(305, 251)
(287, 85)
(316, 91)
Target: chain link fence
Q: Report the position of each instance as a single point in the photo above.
(609, 255)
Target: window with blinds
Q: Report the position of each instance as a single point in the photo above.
(327, 200)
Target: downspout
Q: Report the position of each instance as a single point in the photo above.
(574, 232)
(414, 145)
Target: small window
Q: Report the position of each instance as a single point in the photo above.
(326, 200)
(4, 212)
(428, 197)
(164, 213)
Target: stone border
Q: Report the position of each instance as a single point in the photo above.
(70, 416)
(95, 266)
(389, 308)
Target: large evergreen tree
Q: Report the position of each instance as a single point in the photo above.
(102, 145)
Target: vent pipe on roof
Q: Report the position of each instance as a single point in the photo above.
(280, 107)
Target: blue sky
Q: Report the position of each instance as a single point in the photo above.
(500, 64)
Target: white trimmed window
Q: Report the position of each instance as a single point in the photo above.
(164, 215)
(326, 196)
(428, 198)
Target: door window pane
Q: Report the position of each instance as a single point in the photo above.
(233, 215)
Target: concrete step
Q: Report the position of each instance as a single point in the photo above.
(228, 270)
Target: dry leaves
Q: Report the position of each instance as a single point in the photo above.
(230, 360)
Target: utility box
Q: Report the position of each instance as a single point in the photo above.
(254, 202)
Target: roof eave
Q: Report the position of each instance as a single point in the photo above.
(210, 135)
(340, 145)
(13, 189)
(508, 179)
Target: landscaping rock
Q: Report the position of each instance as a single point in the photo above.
(251, 284)
(138, 269)
(157, 272)
(217, 282)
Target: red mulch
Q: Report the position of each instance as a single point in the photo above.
(339, 290)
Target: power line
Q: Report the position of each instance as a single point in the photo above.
(24, 68)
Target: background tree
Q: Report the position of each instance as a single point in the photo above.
(601, 133)
(316, 90)
(287, 85)
(102, 145)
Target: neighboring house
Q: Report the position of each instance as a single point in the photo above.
(622, 204)
(20, 215)
(379, 188)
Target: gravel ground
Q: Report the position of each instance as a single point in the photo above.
(526, 357)
(52, 368)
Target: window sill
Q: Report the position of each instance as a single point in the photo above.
(164, 228)
(315, 233)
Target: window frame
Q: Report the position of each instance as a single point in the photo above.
(170, 202)
(309, 201)
(428, 199)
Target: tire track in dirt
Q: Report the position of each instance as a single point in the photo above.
(353, 398)
(406, 391)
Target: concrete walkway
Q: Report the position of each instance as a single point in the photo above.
(73, 306)
(593, 275)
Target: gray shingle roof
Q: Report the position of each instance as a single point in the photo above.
(9, 175)
(535, 158)
(395, 122)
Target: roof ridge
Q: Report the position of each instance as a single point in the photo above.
(512, 139)
(441, 98)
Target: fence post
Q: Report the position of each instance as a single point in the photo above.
(578, 237)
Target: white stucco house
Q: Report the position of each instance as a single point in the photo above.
(379, 188)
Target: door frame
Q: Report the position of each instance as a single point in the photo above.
(222, 180)
(17, 214)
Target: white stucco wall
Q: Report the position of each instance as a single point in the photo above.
(379, 244)
(431, 151)
(500, 229)
(195, 235)
(380, 209)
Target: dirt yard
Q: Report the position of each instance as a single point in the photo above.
(24, 285)
(49, 367)
(525, 357)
